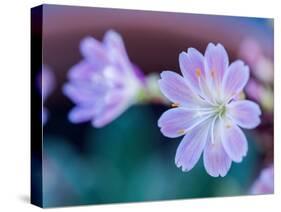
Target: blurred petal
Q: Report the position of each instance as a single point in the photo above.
(245, 113)
(83, 93)
(175, 88)
(117, 105)
(80, 114)
(216, 161)
(234, 141)
(81, 71)
(216, 60)
(192, 67)
(191, 147)
(48, 82)
(93, 50)
(113, 40)
(117, 53)
(175, 122)
(265, 182)
(235, 79)
(254, 90)
(250, 50)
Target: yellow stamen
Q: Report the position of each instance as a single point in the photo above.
(241, 95)
(198, 72)
(175, 104)
(181, 131)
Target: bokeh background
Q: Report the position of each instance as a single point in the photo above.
(130, 160)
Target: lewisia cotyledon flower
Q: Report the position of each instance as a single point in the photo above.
(265, 182)
(105, 83)
(46, 83)
(207, 109)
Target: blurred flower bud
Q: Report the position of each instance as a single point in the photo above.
(263, 70)
(250, 51)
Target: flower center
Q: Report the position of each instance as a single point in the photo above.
(221, 110)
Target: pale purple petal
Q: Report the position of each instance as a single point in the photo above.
(48, 82)
(108, 116)
(93, 51)
(245, 113)
(73, 92)
(81, 114)
(192, 67)
(113, 41)
(216, 161)
(176, 121)
(111, 77)
(111, 111)
(216, 60)
(250, 50)
(191, 147)
(175, 88)
(265, 182)
(254, 90)
(234, 141)
(82, 71)
(83, 93)
(117, 53)
(235, 79)
(139, 74)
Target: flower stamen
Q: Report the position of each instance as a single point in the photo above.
(221, 110)
(181, 131)
(198, 72)
(175, 105)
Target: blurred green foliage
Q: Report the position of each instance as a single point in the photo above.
(129, 161)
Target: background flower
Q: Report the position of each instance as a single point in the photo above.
(208, 111)
(105, 83)
(260, 87)
(46, 83)
(265, 182)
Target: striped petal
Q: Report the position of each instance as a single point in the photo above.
(192, 68)
(175, 122)
(175, 88)
(234, 141)
(216, 160)
(191, 147)
(245, 113)
(235, 80)
(216, 60)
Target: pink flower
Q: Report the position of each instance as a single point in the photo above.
(265, 182)
(105, 83)
(207, 111)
